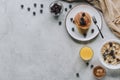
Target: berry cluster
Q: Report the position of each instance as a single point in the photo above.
(82, 21)
(56, 8)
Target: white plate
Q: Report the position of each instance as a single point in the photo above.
(109, 66)
(76, 34)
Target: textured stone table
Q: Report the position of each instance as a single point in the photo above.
(37, 48)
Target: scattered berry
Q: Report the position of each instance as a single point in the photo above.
(70, 6)
(77, 74)
(92, 30)
(41, 5)
(73, 29)
(28, 9)
(41, 11)
(71, 19)
(66, 9)
(35, 5)
(92, 66)
(87, 63)
(34, 13)
(22, 6)
(60, 22)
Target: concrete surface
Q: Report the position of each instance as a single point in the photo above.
(37, 48)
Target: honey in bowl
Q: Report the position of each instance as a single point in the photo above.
(99, 72)
(86, 53)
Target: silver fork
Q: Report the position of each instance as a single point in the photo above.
(95, 22)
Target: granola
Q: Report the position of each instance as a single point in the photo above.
(111, 53)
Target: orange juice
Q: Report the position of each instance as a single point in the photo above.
(86, 53)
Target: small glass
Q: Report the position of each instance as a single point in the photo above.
(56, 8)
(86, 53)
(99, 72)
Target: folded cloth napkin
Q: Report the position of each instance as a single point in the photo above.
(111, 13)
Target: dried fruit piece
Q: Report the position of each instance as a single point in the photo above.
(83, 14)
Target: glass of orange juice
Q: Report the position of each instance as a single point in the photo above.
(86, 53)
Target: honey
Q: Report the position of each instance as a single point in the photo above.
(99, 72)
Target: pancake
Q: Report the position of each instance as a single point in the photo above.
(82, 21)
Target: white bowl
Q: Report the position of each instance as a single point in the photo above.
(109, 66)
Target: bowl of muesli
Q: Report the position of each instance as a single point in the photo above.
(110, 54)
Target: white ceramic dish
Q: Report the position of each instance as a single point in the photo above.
(76, 34)
(109, 66)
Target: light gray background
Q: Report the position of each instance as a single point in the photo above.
(37, 48)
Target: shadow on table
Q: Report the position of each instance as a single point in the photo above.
(113, 73)
(84, 42)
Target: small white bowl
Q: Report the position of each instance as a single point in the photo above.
(109, 66)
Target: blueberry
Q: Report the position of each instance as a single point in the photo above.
(28, 9)
(41, 11)
(66, 9)
(112, 52)
(34, 13)
(92, 30)
(22, 6)
(92, 66)
(87, 63)
(70, 6)
(82, 21)
(41, 5)
(60, 22)
(71, 19)
(77, 74)
(73, 29)
(35, 5)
